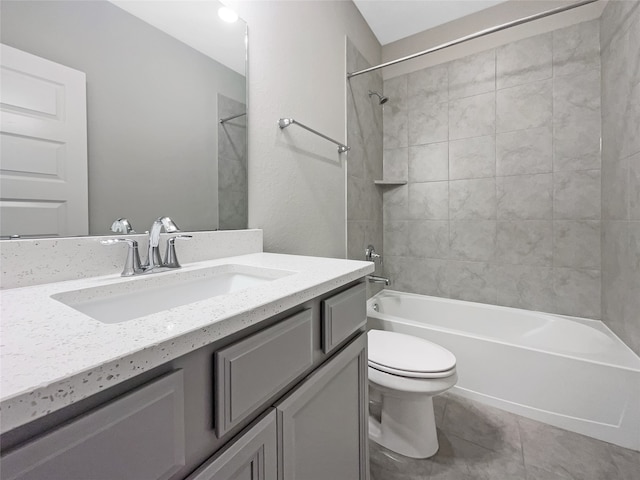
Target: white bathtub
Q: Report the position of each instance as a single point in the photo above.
(569, 372)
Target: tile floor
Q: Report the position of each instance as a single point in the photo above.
(482, 442)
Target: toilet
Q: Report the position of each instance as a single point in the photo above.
(405, 372)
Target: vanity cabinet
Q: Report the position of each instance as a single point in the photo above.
(324, 423)
(139, 435)
(281, 400)
(253, 456)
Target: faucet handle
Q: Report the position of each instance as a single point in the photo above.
(371, 256)
(170, 257)
(132, 263)
(122, 225)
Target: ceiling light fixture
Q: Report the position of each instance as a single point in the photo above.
(228, 15)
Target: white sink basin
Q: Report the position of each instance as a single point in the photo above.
(155, 293)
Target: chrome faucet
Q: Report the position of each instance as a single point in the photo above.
(153, 258)
(154, 262)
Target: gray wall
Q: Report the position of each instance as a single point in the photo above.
(501, 151)
(233, 187)
(162, 162)
(297, 69)
(364, 136)
(620, 43)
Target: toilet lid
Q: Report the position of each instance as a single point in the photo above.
(407, 355)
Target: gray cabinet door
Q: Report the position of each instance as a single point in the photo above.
(255, 369)
(322, 424)
(251, 457)
(342, 315)
(139, 436)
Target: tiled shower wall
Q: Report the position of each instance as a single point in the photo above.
(233, 187)
(364, 160)
(501, 151)
(620, 44)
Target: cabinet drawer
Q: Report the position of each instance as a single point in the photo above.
(252, 456)
(139, 435)
(342, 315)
(251, 371)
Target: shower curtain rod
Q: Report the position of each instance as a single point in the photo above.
(473, 36)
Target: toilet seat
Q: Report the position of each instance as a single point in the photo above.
(408, 356)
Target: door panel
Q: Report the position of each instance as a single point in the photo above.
(43, 166)
(323, 423)
(251, 457)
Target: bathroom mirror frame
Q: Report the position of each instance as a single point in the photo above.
(149, 198)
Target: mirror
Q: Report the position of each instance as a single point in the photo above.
(160, 75)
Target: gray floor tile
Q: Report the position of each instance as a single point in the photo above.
(459, 459)
(486, 426)
(536, 473)
(388, 465)
(478, 442)
(627, 461)
(563, 452)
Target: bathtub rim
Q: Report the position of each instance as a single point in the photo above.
(596, 324)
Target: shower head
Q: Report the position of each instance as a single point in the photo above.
(382, 98)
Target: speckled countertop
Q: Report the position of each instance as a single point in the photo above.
(51, 355)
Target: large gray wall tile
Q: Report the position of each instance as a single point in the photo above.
(525, 106)
(395, 164)
(632, 306)
(423, 276)
(631, 123)
(429, 201)
(525, 197)
(472, 199)
(395, 113)
(616, 182)
(576, 121)
(427, 122)
(429, 239)
(396, 238)
(525, 242)
(428, 163)
(504, 172)
(524, 61)
(620, 61)
(472, 240)
(430, 84)
(472, 281)
(525, 287)
(615, 261)
(634, 187)
(576, 195)
(576, 244)
(472, 158)
(395, 203)
(525, 151)
(472, 116)
(577, 292)
(576, 48)
(472, 75)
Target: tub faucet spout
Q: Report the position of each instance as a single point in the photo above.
(377, 279)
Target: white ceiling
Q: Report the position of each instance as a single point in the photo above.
(196, 23)
(392, 20)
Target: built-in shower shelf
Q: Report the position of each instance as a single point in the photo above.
(390, 183)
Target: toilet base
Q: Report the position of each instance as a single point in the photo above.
(407, 426)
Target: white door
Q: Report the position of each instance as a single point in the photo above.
(43, 147)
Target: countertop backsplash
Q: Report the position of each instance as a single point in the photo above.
(27, 262)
